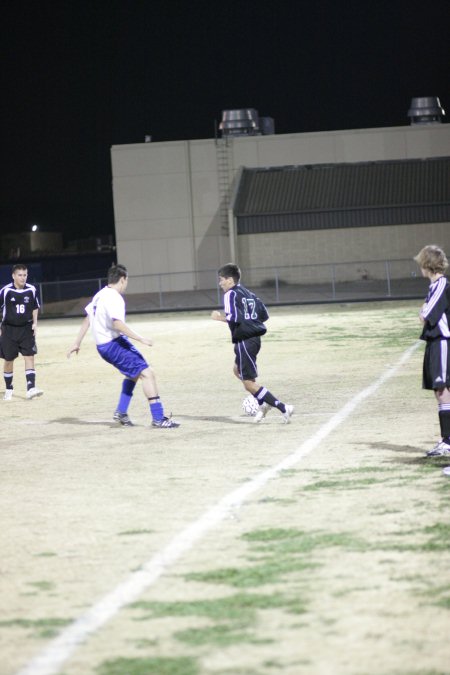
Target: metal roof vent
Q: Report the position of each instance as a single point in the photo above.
(426, 110)
(244, 122)
(267, 125)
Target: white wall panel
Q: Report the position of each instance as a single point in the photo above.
(203, 155)
(428, 141)
(155, 256)
(245, 153)
(161, 196)
(211, 251)
(148, 158)
(129, 253)
(205, 193)
(154, 229)
(357, 147)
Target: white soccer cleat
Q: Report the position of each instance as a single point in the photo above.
(34, 392)
(288, 414)
(262, 412)
(439, 449)
(165, 423)
(8, 395)
(431, 452)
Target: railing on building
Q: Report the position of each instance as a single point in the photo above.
(302, 284)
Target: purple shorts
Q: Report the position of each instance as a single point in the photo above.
(124, 356)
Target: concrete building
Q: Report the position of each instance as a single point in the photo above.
(175, 203)
(23, 244)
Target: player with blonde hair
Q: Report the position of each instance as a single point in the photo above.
(435, 318)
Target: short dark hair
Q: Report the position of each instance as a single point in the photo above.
(116, 272)
(19, 266)
(230, 270)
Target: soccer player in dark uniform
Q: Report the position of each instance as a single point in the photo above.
(19, 306)
(435, 318)
(245, 314)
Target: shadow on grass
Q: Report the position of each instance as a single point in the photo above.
(86, 423)
(396, 448)
(222, 419)
(414, 458)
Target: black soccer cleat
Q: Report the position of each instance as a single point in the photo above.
(123, 419)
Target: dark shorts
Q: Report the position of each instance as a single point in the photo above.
(17, 340)
(246, 353)
(124, 356)
(436, 365)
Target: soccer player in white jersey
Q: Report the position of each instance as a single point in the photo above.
(435, 318)
(19, 307)
(106, 317)
(245, 315)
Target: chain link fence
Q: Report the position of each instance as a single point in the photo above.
(302, 284)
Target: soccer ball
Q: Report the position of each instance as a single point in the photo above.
(250, 405)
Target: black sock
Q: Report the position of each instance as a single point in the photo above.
(30, 376)
(444, 419)
(8, 380)
(264, 396)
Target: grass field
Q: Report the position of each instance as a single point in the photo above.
(222, 547)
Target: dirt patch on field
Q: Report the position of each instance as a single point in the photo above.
(323, 569)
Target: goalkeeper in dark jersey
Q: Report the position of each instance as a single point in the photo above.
(435, 318)
(245, 314)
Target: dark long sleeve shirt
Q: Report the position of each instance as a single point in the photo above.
(245, 313)
(436, 310)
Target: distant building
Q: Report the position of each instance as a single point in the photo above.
(269, 200)
(16, 245)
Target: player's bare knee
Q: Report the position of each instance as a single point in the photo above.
(443, 395)
(147, 374)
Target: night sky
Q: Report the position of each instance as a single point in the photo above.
(80, 76)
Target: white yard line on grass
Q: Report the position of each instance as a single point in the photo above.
(49, 661)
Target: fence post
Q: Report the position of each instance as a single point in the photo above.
(160, 292)
(333, 282)
(41, 297)
(218, 292)
(388, 278)
(277, 287)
